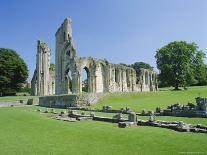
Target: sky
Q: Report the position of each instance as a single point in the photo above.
(121, 31)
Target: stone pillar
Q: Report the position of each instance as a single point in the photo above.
(124, 79)
(132, 117)
(133, 80)
(42, 68)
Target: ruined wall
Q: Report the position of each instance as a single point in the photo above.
(102, 76)
(67, 78)
(43, 79)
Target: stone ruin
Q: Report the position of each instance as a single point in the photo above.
(131, 121)
(43, 81)
(102, 76)
(190, 110)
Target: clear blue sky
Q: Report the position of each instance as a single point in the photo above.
(118, 30)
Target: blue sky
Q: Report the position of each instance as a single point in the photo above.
(119, 30)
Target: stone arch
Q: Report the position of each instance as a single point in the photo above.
(85, 87)
(68, 81)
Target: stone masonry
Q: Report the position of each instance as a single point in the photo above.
(43, 81)
(102, 76)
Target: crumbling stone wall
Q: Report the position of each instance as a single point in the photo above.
(43, 81)
(102, 76)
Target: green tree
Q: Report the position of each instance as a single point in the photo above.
(13, 71)
(178, 63)
(200, 69)
(138, 65)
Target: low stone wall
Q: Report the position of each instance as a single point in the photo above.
(181, 113)
(65, 101)
(108, 119)
(123, 111)
(72, 116)
(34, 101)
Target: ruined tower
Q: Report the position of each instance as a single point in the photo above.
(65, 54)
(42, 83)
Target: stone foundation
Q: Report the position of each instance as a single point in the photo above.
(64, 101)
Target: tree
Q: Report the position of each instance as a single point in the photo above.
(200, 69)
(13, 71)
(178, 63)
(138, 65)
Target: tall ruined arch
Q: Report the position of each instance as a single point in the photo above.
(85, 77)
(69, 81)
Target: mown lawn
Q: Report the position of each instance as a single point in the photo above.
(150, 100)
(25, 132)
(12, 98)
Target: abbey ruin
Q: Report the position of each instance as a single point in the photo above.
(102, 76)
(43, 81)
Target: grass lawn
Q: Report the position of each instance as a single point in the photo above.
(24, 132)
(150, 100)
(13, 98)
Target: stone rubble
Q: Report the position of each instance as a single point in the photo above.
(132, 121)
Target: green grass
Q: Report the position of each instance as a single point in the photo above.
(150, 100)
(13, 98)
(25, 132)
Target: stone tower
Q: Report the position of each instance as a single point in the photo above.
(65, 53)
(42, 66)
(41, 82)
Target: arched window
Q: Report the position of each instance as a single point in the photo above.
(85, 79)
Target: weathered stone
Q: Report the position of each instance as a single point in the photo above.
(118, 116)
(43, 81)
(132, 117)
(102, 76)
(190, 110)
(126, 124)
(84, 118)
(152, 117)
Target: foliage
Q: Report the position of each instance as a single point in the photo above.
(123, 64)
(138, 65)
(13, 71)
(180, 64)
(52, 67)
(25, 90)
